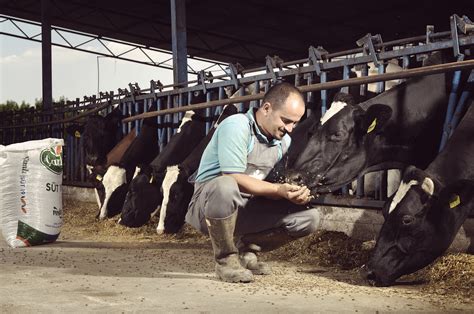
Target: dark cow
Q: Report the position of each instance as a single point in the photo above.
(103, 144)
(177, 191)
(143, 193)
(397, 127)
(425, 214)
(99, 135)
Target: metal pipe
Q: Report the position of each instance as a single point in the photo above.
(428, 70)
(458, 112)
(451, 106)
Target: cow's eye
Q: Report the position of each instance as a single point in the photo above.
(337, 137)
(408, 220)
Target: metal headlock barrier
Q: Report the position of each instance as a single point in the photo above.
(315, 76)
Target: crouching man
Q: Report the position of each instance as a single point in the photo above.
(242, 213)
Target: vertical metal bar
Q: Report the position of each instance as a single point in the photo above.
(241, 104)
(360, 186)
(46, 56)
(81, 160)
(461, 104)
(405, 62)
(345, 76)
(364, 87)
(161, 140)
(254, 104)
(218, 109)
(380, 85)
(168, 119)
(178, 41)
(180, 104)
(383, 185)
(324, 93)
(208, 112)
(137, 122)
(175, 116)
(124, 113)
(309, 95)
(451, 104)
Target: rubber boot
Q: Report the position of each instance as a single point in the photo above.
(249, 260)
(226, 255)
(267, 240)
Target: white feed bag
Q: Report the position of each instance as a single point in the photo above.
(31, 192)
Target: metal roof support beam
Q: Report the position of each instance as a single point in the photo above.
(178, 38)
(46, 64)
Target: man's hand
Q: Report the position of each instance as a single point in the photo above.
(294, 193)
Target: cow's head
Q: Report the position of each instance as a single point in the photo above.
(180, 194)
(99, 135)
(421, 221)
(340, 146)
(142, 199)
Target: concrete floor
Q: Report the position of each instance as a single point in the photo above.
(78, 276)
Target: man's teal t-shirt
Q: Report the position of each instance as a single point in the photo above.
(230, 145)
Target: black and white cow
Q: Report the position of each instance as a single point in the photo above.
(139, 205)
(398, 127)
(143, 194)
(177, 191)
(425, 214)
(143, 151)
(116, 179)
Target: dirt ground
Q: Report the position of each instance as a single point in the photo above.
(102, 266)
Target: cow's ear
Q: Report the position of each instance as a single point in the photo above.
(413, 173)
(115, 116)
(375, 118)
(344, 97)
(75, 130)
(457, 194)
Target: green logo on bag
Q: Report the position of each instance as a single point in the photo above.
(51, 158)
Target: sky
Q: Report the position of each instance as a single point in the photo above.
(74, 73)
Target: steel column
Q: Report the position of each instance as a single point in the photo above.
(46, 56)
(178, 41)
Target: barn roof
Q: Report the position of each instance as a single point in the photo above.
(245, 31)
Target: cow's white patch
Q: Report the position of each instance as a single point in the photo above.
(401, 192)
(391, 67)
(335, 108)
(97, 198)
(171, 176)
(89, 168)
(113, 178)
(137, 171)
(188, 115)
(258, 174)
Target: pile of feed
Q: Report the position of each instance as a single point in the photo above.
(80, 223)
(325, 248)
(451, 274)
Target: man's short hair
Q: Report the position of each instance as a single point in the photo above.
(278, 93)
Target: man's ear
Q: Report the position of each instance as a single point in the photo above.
(266, 107)
(375, 118)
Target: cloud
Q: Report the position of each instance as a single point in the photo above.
(76, 73)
